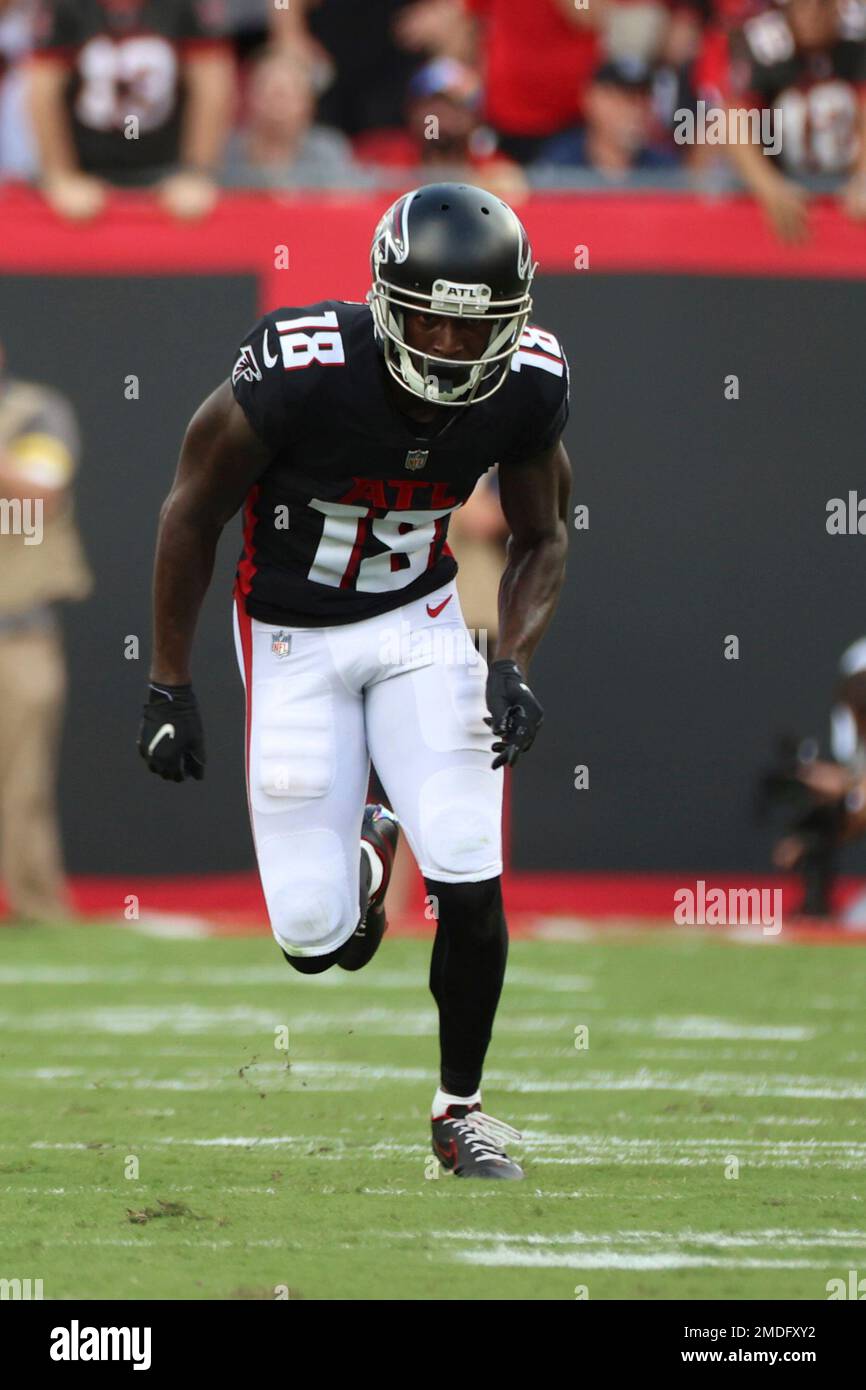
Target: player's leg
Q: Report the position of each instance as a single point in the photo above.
(307, 769)
(431, 747)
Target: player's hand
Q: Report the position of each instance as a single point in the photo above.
(171, 739)
(786, 206)
(515, 714)
(188, 195)
(75, 196)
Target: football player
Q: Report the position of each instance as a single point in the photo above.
(349, 433)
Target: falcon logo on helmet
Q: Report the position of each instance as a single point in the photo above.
(456, 250)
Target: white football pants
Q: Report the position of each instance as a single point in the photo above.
(405, 689)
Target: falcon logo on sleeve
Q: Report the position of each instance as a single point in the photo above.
(246, 368)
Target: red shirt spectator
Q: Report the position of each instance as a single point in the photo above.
(537, 64)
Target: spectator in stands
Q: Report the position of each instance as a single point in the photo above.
(634, 29)
(42, 564)
(17, 154)
(617, 137)
(438, 28)
(289, 29)
(280, 147)
(371, 67)
(112, 104)
(713, 61)
(805, 66)
(448, 141)
(247, 22)
(537, 58)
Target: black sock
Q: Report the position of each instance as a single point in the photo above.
(315, 965)
(466, 974)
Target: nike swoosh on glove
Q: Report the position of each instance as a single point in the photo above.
(516, 715)
(171, 738)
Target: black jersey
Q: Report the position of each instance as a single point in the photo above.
(350, 519)
(816, 93)
(125, 60)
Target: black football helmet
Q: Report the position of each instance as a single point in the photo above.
(449, 248)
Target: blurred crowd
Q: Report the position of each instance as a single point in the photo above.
(191, 96)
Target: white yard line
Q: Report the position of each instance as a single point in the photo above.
(538, 1259)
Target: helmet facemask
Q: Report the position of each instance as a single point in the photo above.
(442, 380)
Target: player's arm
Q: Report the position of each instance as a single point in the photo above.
(220, 460)
(534, 497)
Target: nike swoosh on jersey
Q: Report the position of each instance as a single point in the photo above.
(161, 733)
(434, 612)
(269, 361)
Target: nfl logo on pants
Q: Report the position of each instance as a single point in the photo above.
(281, 644)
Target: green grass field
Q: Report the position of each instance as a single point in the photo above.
(155, 1142)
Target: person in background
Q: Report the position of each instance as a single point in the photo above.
(450, 142)
(617, 137)
(437, 28)
(371, 68)
(827, 794)
(279, 145)
(247, 22)
(17, 151)
(131, 92)
(41, 564)
(444, 140)
(537, 60)
(806, 64)
(634, 30)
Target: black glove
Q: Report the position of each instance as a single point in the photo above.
(516, 714)
(171, 739)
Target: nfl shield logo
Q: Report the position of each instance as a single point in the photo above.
(416, 458)
(281, 644)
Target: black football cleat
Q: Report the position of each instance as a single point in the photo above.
(381, 829)
(469, 1143)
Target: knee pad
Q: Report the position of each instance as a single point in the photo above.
(312, 897)
(295, 755)
(460, 824)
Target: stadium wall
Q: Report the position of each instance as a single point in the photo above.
(706, 515)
